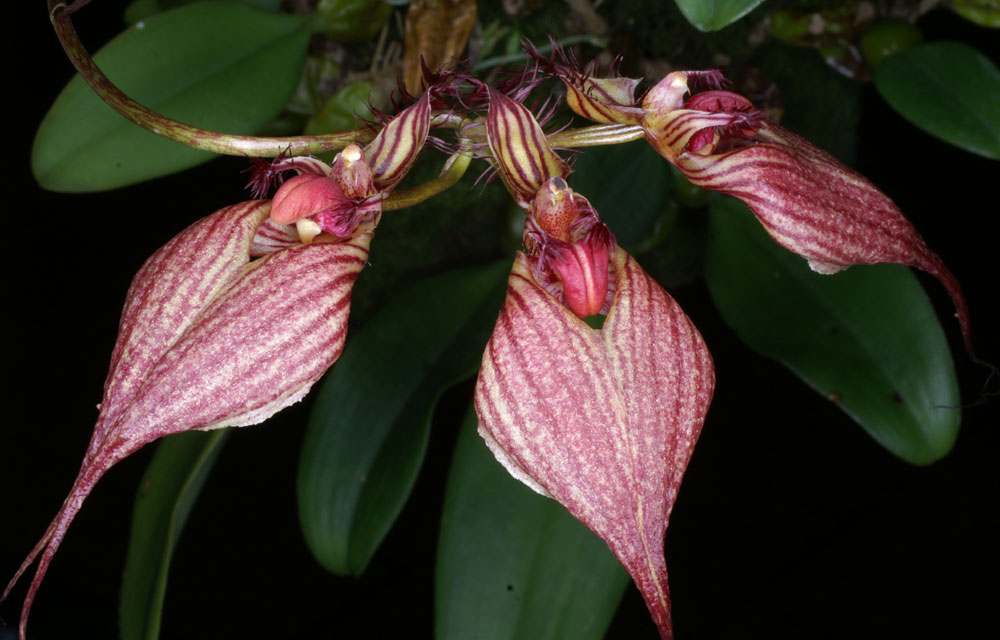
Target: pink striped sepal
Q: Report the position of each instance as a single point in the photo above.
(604, 421)
(807, 200)
(209, 338)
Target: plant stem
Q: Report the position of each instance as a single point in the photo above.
(454, 169)
(228, 144)
(596, 135)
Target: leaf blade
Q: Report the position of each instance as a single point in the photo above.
(166, 495)
(203, 64)
(712, 15)
(850, 336)
(949, 90)
(509, 558)
(631, 200)
(369, 428)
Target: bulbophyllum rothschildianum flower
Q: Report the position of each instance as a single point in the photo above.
(241, 313)
(808, 201)
(603, 420)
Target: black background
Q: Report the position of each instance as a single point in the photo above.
(791, 522)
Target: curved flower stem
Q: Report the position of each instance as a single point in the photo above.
(253, 146)
(596, 135)
(454, 169)
(59, 14)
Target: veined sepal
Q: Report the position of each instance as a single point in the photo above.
(815, 206)
(604, 421)
(394, 150)
(210, 338)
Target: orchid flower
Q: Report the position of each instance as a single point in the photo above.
(211, 337)
(808, 201)
(602, 420)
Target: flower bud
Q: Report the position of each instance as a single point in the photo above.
(394, 150)
(524, 159)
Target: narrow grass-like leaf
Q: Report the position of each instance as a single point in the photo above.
(223, 66)
(949, 90)
(512, 564)
(369, 429)
(866, 338)
(166, 494)
(712, 15)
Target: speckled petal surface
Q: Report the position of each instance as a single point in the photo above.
(603, 421)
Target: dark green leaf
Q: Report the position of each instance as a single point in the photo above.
(218, 65)
(352, 20)
(712, 15)
(513, 564)
(866, 338)
(819, 104)
(142, 9)
(166, 495)
(368, 431)
(628, 186)
(949, 90)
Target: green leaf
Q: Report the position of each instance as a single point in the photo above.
(632, 197)
(712, 15)
(368, 431)
(949, 90)
(819, 104)
(219, 65)
(166, 495)
(142, 9)
(866, 338)
(513, 564)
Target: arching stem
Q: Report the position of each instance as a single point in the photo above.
(454, 169)
(195, 137)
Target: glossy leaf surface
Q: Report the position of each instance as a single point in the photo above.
(866, 338)
(142, 9)
(632, 198)
(218, 65)
(369, 428)
(167, 493)
(949, 90)
(712, 15)
(513, 564)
